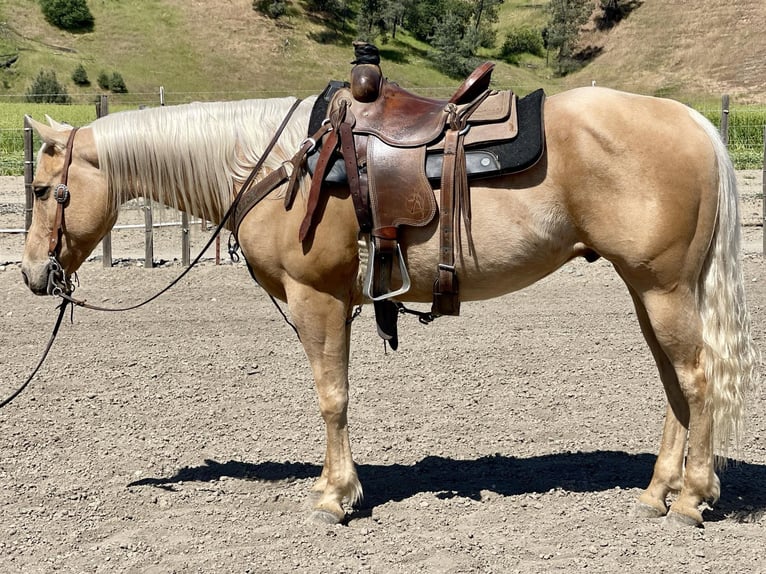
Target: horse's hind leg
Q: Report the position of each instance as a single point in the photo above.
(672, 327)
(668, 469)
(322, 322)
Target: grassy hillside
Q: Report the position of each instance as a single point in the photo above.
(672, 49)
(212, 49)
(223, 49)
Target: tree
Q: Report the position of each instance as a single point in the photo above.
(484, 15)
(114, 82)
(420, 16)
(272, 8)
(613, 11)
(117, 84)
(393, 14)
(369, 20)
(103, 80)
(71, 15)
(567, 17)
(455, 45)
(379, 17)
(80, 76)
(45, 89)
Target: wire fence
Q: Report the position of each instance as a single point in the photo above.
(745, 124)
(742, 127)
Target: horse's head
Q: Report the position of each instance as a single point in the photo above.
(68, 220)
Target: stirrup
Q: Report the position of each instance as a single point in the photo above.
(367, 287)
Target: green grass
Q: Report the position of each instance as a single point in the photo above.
(746, 126)
(12, 128)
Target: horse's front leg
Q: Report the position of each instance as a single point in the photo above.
(323, 323)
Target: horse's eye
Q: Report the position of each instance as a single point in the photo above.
(41, 191)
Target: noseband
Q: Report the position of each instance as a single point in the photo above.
(57, 279)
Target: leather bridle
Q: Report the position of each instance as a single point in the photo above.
(58, 283)
(57, 279)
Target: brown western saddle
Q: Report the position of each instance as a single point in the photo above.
(394, 148)
(384, 134)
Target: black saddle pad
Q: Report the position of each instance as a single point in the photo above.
(513, 156)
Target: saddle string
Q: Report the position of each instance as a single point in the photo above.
(66, 293)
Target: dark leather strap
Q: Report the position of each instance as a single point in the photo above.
(328, 148)
(446, 297)
(348, 149)
(255, 193)
(61, 195)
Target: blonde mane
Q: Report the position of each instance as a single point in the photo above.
(192, 156)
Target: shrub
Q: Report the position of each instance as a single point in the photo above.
(271, 8)
(46, 89)
(71, 15)
(117, 84)
(114, 82)
(103, 80)
(80, 76)
(522, 41)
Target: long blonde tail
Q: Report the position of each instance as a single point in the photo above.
(731, 358)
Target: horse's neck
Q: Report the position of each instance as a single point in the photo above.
(192, 204)
(195, 158)
(207, 197)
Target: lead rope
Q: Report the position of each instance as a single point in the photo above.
(245, 186)
(62, 310)
(64, 291)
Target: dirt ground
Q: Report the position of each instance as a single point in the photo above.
(185, 436)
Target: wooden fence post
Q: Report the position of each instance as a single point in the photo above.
(148, 234)
(29, 175)
(763, 195)
(185, 248)
(725, 119)
(102, 109)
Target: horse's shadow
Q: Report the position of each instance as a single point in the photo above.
(743, 495)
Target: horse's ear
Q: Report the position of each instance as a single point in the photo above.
(50, 135)
(57, 125)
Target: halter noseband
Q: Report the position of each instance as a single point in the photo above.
(57, 280)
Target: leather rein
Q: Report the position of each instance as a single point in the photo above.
(58, 282)
(59, 285)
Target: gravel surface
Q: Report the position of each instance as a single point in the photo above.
(185, 436)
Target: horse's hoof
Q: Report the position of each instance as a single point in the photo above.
(683, 520)
(325, 517)
(644, 510)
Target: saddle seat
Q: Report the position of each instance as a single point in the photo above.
(400, 117)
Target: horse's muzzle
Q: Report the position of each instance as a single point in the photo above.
(48, 278)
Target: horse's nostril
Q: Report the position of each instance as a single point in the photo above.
(26, 279)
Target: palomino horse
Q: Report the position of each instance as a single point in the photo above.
(645, 183)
